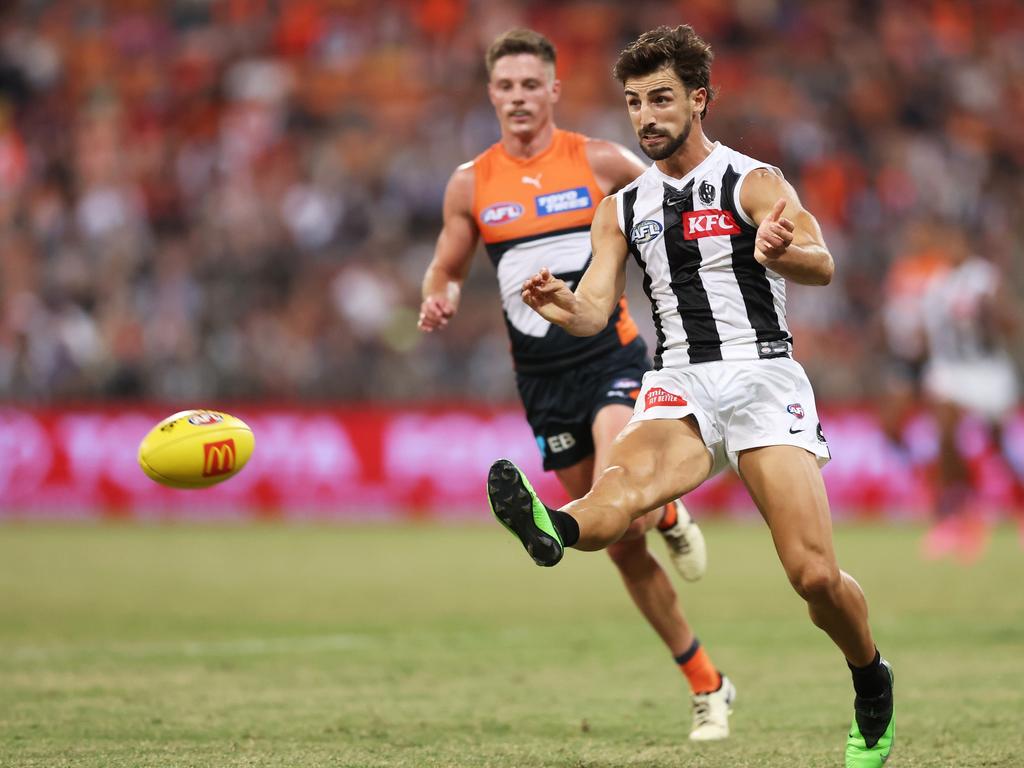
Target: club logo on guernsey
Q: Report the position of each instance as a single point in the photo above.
(709, 223)
(562, 202)
(501, 213)
(645, 231)
(706, 193)
(218, 458)
(656, 396)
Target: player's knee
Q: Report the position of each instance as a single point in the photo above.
(815, 580)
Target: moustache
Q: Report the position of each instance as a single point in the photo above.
(649, 134)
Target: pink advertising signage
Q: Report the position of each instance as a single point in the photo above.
(382, 463)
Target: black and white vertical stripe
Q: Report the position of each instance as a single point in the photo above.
(710, 297)
(628, 202)
(684, 260)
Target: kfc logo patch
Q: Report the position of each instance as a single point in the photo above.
(709, 223)
(657, 397)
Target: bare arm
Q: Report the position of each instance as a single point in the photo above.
(453, 254)
(586, 311)
(613, 165)
(791, 245)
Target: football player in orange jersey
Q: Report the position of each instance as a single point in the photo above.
(531, 198)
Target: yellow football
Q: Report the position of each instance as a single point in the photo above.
(196, 449)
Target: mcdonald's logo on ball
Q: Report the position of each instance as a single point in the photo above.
(196, 449)
(218, 458)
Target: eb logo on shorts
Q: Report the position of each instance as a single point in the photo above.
(560, 442)
(555, 443)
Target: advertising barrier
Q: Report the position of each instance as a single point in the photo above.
(386, 463)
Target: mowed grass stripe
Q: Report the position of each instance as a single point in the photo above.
(436, 646)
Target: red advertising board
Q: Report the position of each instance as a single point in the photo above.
(365, 463)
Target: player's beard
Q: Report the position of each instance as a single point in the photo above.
(670, 148)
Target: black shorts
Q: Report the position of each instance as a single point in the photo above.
(562, 407)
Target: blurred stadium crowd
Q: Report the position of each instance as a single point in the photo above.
(238, 198)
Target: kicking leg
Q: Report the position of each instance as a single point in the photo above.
(642, 574)
(682, 536)
(650, 464)
(651, 589)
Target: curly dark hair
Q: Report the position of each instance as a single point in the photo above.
(680, 48)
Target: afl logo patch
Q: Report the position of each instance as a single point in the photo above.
(645, 231)
(501, 213)
(706, 193)
(204, 418)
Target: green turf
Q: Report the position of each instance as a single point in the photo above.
(422, 646)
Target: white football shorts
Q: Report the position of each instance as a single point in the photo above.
(985, 387)
(738, 404)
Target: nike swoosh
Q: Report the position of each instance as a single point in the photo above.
(796, 431)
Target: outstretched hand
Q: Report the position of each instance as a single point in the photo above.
(774, 234)
(549, 296)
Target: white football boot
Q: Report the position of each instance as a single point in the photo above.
(711, 712)
(686, 546)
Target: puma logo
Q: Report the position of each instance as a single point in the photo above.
(532, 180)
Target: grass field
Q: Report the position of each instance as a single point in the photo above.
(426, 646)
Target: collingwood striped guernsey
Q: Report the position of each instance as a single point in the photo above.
(710, 298)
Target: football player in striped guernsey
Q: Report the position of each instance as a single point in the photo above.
(716, 234)
(969, 317)
(531, 198)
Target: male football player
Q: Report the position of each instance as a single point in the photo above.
(717, 234)
(531, 198)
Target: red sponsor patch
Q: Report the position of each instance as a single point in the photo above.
(656, 396)
(697, 224)
(218, 458)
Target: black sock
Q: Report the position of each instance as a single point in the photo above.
(566, 525)
(870, 681)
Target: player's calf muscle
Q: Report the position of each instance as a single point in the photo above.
(621, 495)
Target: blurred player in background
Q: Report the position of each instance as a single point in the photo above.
(531, 198)
(918, 261)
(706, 224)
(968, 315)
